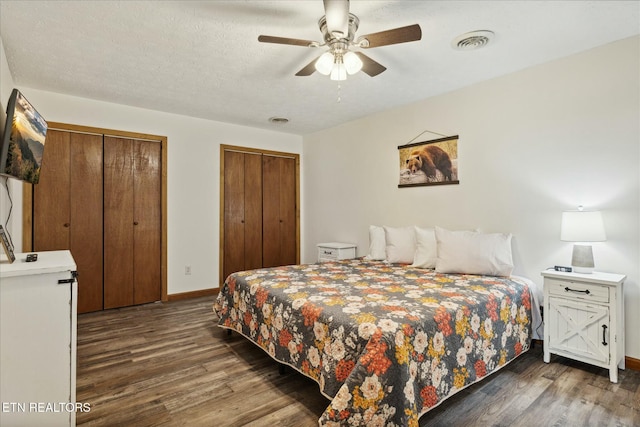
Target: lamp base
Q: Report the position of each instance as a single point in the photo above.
(582, 259)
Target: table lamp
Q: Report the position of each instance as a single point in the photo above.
(582, 226)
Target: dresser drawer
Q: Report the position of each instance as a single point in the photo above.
(578, 290)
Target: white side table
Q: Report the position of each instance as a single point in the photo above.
(584, 318)
(335, 251)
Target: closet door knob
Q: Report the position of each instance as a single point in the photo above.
(135, 222)
(67, 225)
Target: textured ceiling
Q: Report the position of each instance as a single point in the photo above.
(202, 59)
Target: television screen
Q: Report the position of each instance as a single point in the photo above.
(23, 140)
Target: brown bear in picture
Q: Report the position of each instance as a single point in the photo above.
(428, 159)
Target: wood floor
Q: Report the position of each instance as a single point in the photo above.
(170, 365)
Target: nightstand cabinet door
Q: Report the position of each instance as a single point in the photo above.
(578, 329)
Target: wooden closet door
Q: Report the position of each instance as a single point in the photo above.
(132, 221)
(85, 186)
(51, 216)
(253, 188)
(242, 212)
(147, 222)
(233, 213)
(67, 208)
(118, 222)
(279, 211)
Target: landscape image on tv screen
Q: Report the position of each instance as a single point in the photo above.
(26, 141)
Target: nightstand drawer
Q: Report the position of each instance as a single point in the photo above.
(328, 253)
(335, 251)
(582, 291)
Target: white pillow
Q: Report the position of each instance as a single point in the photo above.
(401, 244)
(469, 252)
(425, 256)
(377, 244)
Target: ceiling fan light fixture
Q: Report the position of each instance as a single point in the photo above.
(352, 63)
(339, 71)
(324, 64)
(338, 27)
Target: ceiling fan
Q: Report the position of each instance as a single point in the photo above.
(338, 28)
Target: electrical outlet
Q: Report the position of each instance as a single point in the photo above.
(187, 270)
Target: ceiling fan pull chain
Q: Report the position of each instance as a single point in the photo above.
(339, 94)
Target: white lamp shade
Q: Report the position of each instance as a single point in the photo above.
(338, 72)
(582, 226)
(352, 62)
(324, 63)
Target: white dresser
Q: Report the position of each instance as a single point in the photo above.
(335, 251)
(38, 318)
(584, 318)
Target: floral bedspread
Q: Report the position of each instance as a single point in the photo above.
(385, 342)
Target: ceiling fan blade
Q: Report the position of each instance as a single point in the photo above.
(308, 69)
(337, 16)
(369, 66)
(286, 40)
(398, 35)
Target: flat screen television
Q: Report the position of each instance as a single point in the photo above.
(22, 144)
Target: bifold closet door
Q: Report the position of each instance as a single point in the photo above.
(118, 222)
(132, 222)
(67, 208)
(279, 211)
(242, 212)
(52, 196)
(147, 221)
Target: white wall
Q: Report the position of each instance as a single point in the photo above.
(193, 173)
(13, 222)
(532, 144)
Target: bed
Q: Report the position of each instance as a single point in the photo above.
(386, 342)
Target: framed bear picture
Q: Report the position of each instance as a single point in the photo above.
(432, 162)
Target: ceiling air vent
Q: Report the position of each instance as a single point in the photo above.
(473, 40)
(278, 120)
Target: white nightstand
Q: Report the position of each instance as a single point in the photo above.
(584, 318)
(335, 251)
